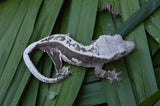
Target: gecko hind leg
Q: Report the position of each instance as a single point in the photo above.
(111, 75)
(62, 71)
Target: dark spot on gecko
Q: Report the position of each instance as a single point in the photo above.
(50, 37)
(83, 49)
(62, 38)
(123, 53)
(73, 45)
(67, 42)
(91, 50)
(77, 48)
(56, 38)
(44, 40)
(69, 34)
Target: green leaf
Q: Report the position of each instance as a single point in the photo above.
(93, 94)
(27, 21)
(43, 88)
(11, 32)
(153, 45)
(152, 25)
(26, 16)
(157, 74)
(81, 25)
(32, 93)
(153, 30)
(90, 77)
(156, 59)
(139, 62)
(112, 6)
(141, 14)
(151, 100)
(114, 94)
(8, 11)
(42, 28)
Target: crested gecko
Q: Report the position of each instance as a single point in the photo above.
(60, 47)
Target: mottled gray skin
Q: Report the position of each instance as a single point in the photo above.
(104, 50)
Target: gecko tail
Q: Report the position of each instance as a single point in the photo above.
(32, 67)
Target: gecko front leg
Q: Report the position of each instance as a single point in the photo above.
(111, 75)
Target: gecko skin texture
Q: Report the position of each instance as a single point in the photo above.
(60, 47)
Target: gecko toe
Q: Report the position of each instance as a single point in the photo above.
(70, 72)
(111, 81)
(118, 79)
(69, 67)
(119, 73)
(114, 70)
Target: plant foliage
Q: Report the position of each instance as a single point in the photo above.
(25, 21)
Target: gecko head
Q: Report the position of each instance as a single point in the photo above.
(110, 46)
(126, 46)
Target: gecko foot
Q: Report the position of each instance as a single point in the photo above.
(112, 75)
(64, 72)
(64, 69)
